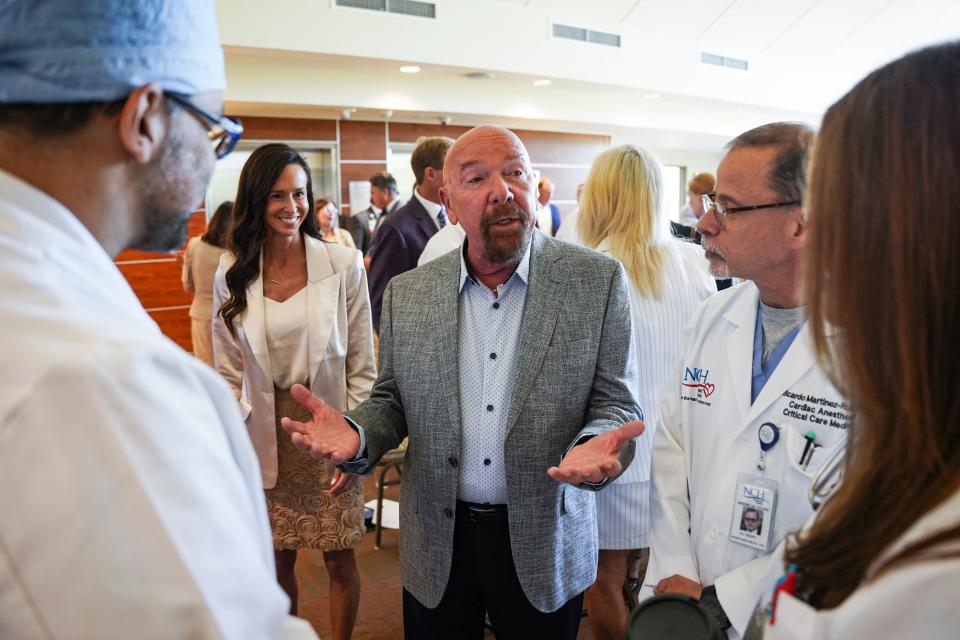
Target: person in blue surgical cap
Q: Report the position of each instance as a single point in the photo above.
(132, 499)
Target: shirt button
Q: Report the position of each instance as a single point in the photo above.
(496, 305)
(493, 356)
(452, 460)
(714, 531)
(447, 512)
(489, 407)
(486, 461)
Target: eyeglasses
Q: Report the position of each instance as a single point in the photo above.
(709, 201)
(223, 132)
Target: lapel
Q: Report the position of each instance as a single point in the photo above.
(423, 220)
(796, 362)
(544, 299)
(323, 292)
(743, 317)
(253, 322)
(447, 315)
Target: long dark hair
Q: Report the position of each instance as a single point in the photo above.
(249, 230)
(219, 225)
(882, 269)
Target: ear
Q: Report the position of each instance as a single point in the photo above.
(445, 201)
(798, 227)
(144, 123)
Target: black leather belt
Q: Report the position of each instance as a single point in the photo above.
(482, 513)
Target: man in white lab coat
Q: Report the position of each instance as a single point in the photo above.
(748, 417)
(131, 497)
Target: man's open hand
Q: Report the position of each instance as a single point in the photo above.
(596, 459)
(327, 435)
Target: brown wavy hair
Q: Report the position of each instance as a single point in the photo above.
(883, 271)
(249, 230)
(219, 225)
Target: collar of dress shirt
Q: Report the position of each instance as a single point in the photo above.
(432, 208)
(523, 269)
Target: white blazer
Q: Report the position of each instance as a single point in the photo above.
(340, 343)
(708, 435)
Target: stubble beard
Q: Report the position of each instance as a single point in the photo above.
(506, 249)
(174, 185)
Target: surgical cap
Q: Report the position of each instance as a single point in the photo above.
(57, 51)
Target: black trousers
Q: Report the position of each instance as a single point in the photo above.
(483, 580)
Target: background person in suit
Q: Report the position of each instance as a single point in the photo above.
(401, 239)
(622, 216)
(384, 196)
(489, 523)
(548, 215)
(294, 309)
(200, 261)
(359, 227)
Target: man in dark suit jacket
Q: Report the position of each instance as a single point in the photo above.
(544, 194)
(401, 237)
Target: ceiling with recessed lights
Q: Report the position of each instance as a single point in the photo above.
(489, 60)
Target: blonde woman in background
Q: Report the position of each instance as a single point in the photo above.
(621, 214)
(200, 261)
(328, 220)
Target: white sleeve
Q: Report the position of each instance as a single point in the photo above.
(138, 505)
(671, 548)
(186, 274)
(227, 357)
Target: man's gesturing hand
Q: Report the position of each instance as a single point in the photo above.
(326, 436)
(597, 458)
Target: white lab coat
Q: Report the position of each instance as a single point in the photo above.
(340, 343)
(132, 506)
(915, 600)
(708, 435)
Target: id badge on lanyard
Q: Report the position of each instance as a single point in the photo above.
(755, 501)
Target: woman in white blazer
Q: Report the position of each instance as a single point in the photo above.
(881, 559)
(621, 214)
(295, 310)
(200, 261)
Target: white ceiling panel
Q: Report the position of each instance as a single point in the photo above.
(881, 38)
(943, 26)
(597, 14)
(822, 29)
(748, 26)
(676, 19)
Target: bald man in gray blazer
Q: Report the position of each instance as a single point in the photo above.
(509, 364)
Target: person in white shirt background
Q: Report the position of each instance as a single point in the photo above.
(200, 261)
(133, 506)
(748, 418)
(622, 215)
(882, 557)
(568, 226)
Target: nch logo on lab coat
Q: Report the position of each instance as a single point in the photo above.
(696, 378)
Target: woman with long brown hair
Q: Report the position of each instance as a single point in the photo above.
(295, 310)
(882, 557)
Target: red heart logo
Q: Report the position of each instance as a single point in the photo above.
(708, 389)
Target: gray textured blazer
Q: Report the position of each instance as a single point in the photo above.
(576, 354)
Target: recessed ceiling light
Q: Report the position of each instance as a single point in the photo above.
(651, 96)
(542, 83)
(479, 75)
(409, 68)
